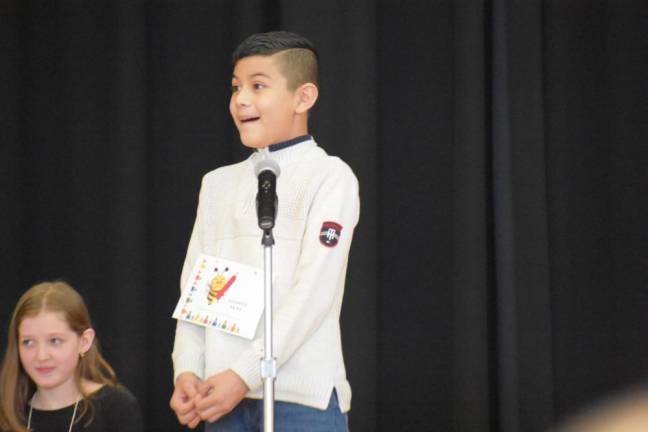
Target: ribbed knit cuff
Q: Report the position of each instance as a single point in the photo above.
(194, 363)
(248, 367)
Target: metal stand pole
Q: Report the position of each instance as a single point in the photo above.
(268, 362)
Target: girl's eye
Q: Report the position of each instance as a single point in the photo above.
(26, 342)
(235, 88)
(259, 86)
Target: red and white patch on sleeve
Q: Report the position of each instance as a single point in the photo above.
(330, 233)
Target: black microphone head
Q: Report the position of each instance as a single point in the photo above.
(267, 164)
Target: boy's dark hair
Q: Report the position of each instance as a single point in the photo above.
(298, 60)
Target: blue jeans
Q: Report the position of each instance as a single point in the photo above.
(289, 417)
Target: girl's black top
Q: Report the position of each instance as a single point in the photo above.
(115, 410)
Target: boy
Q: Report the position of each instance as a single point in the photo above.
(217, 375)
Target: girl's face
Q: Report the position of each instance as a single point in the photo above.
(50, 350)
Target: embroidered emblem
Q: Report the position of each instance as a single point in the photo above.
(330, 233)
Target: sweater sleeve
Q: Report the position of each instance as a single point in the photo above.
(319, 277)
(189, 343)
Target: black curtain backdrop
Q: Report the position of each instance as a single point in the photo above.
(498, 279)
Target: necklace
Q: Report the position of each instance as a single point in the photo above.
(31, 408)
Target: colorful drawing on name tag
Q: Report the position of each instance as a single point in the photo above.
(222, 295)
(219, 285)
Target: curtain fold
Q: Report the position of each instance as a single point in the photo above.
(523, 311)
(473, 287)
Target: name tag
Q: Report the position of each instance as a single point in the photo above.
(223, 295)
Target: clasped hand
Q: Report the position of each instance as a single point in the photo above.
(194, 400)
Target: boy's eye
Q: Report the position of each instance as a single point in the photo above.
(235, 88)
(56, 341)
(259, 86)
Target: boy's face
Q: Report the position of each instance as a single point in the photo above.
(262, 106)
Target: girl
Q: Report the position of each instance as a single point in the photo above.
(53, 376)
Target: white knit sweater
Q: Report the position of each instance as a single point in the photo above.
(313, 188)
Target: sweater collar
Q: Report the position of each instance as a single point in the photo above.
(294, 149)
(291, 142)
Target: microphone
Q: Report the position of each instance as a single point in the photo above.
(267, 170)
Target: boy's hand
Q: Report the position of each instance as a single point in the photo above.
(182, 400)
(219, 395)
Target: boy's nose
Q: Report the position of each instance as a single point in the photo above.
(242, 98)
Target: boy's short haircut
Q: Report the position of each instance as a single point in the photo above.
(298, 59)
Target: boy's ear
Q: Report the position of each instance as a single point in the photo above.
(306, 97)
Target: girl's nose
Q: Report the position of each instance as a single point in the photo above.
(42, 352)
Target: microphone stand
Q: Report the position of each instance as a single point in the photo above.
(268, 362)
(267, 171)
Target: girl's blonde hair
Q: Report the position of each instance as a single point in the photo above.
(16, 387)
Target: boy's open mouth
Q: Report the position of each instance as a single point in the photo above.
(249, 119)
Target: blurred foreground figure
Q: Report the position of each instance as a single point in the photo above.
(625, 413)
